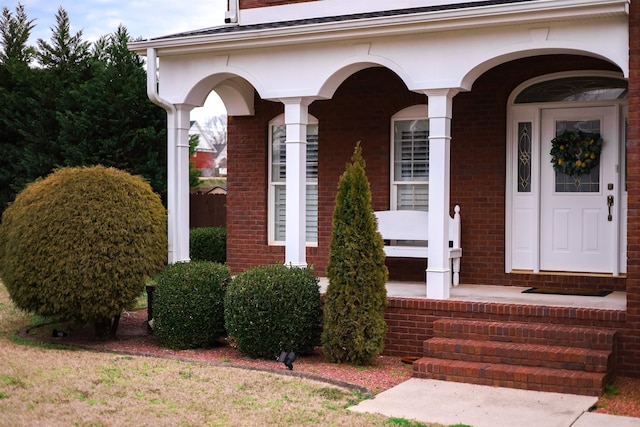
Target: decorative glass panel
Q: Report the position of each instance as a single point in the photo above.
(586, 183)
(574, 89)
(524, 157)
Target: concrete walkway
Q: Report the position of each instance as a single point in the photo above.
(449, 403)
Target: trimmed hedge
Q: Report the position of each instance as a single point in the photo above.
(208, 244)
(188, 305)
(274, 308)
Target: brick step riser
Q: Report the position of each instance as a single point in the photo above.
(519, 354)
(539, 379)
(535, 334)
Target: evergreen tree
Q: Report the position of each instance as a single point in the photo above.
(108, 118)
(16, 91)
(194, 173)
(14, 35)
(83, 105)
(354, 325)
(67, 54)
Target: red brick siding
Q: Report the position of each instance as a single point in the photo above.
(630, 341)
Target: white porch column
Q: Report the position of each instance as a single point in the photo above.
(439, 267)
(178, 183)
(296, 119)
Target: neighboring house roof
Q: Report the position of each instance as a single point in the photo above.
(338, 18)
(204, 143)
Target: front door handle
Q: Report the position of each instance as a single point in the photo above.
(610, 204)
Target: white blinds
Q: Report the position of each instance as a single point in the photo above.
(278, 178)
(411, 164)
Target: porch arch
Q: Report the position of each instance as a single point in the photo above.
(339, 73)
(476, 71)
(236, 93)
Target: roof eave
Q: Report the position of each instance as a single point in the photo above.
(457, 19)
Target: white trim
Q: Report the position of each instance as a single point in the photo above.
(385, 26)
(532, 112)
(327, 8)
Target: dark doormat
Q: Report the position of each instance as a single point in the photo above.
(559, 291)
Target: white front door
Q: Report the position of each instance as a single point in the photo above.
(578, 228)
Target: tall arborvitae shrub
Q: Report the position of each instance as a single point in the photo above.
(81, 243)
(354, 326)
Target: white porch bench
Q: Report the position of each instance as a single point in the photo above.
(413, 226)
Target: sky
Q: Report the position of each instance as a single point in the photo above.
(142, 18)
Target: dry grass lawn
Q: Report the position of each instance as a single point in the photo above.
(46, 386)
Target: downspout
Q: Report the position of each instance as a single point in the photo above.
(231, 15)
(172, 136)
(152, 83)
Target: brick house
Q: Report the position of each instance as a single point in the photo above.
(205, 154)
(455, 103)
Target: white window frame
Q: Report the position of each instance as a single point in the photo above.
(312, 214)
(415, 112)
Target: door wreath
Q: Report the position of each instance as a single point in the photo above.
(575, 152)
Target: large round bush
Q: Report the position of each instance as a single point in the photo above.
(274, 308)
(80, 244)
(188, 304)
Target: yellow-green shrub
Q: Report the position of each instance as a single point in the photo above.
(80, 244)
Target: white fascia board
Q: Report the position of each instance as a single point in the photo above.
(325, 8)
(441, 20)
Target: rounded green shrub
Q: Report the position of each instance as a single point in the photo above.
(273, 308)
(81, 243)
(188, 304)
(208, 244)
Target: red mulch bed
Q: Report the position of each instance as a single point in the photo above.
(384, 373)
(134, 338)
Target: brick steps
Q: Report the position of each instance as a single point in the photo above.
(541, 357)
(554, 357)
(511, 376)
(529, 333)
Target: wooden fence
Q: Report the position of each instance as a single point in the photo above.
(207, 210)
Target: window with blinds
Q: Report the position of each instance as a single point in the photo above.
(410, 166)
(277, 180)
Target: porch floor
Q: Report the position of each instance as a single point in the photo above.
(504, 294)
